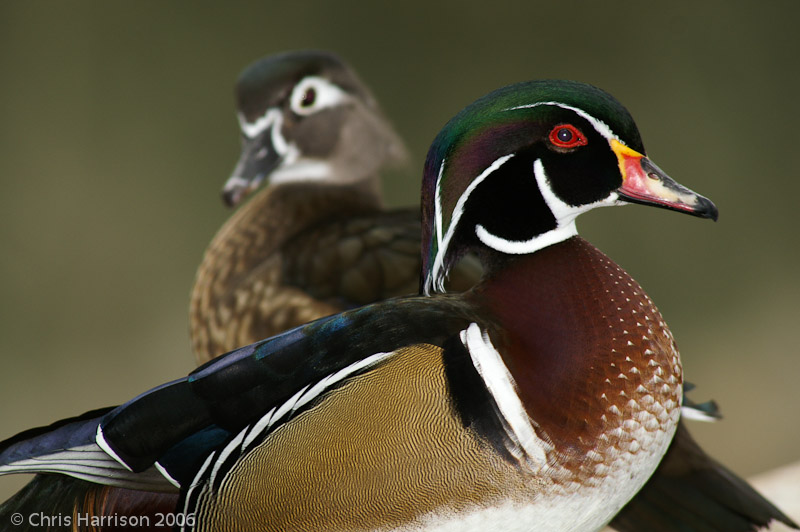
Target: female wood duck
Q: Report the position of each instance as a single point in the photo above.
(317, 240)
(542, 399)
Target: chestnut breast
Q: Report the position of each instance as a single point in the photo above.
(596, 366)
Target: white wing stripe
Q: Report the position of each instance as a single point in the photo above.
(501, 385)
(101, 441)
(244, 439)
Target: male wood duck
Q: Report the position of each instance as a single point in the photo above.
(318, 239)
(274, 264)
(542, 399)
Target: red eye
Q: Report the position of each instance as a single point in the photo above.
(567, 136)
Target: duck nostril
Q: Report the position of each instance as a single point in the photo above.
(653, 175)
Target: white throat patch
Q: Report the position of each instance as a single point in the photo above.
(563, 213)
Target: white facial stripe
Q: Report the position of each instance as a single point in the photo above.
(437, 271)
(282, 148)
(600, 126)
(291, 167)
(501, 385)
(272, 118)
(565, 214)
(522, 247)
(253, 129)
(326, 94)
(438, 206)
(437, 226)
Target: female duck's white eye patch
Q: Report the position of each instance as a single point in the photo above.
(314, 93)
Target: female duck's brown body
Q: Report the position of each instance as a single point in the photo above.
(301, 251)
(242, 293)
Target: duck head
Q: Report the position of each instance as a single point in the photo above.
(510, 173)
(305, 116)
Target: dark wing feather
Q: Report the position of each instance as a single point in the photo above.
(61, 435)
(238, 388)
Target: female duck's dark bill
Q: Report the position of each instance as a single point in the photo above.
(237, 188)
(644, 182)
(259, 158)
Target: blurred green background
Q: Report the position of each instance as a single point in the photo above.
(117, 131)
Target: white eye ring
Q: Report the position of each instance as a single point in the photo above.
(313, 93)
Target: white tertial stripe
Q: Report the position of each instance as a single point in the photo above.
(501, 386)
(600, 126)
(101, 441)
(437, 271)
(161, 469)
(306, 395)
